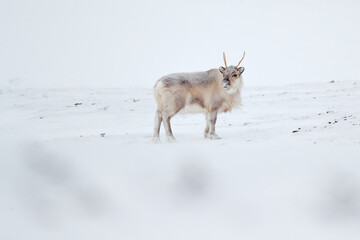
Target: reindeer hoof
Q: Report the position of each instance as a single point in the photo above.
(212, 136)
(170, 139)
(156, 140)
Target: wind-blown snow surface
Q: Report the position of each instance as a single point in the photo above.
(79, 164)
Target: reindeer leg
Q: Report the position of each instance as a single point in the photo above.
(166, 121)
(171, 108)
(207, 128)
(211, 121)
(157, 124)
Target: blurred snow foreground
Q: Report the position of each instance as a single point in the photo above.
(79, 164)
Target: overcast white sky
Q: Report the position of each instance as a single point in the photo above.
(75, 43)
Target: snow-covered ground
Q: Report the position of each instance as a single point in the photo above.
(80, 164)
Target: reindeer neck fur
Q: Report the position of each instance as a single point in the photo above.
(232, 97)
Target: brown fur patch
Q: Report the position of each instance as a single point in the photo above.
(198, 101)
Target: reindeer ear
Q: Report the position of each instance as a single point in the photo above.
(241, 70)
(222, 69)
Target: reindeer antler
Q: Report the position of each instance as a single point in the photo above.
(224, 59)
(241, 59)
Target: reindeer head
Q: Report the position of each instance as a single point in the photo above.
(231, 74)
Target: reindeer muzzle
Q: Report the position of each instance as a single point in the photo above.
(225, 83)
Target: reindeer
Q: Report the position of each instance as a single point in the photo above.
(210, 92)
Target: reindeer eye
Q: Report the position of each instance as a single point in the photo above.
(234, 75)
